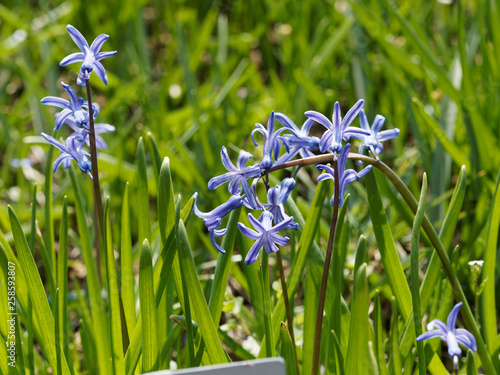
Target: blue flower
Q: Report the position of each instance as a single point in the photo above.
(447, 332)
(265, 235)
(72, 149)
(272, 141)
(82, 134)
(75, 109)
(338, 129)
(376, 136)
(237, 176)
(276, 198)
(213, 218)
(346, 177)
(90, 56)
(299, 141)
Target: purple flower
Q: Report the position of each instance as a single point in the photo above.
(447, 332)
(75, 109)
(90, 56)
(237, 176)
(276, 198)
(82, 134)
(346, 177)
(299, 141)
(72, 149)
(338, 129)
(376, 136)
(272, 141)
(265, 235)
(213, 218)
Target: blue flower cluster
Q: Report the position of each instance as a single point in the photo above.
(273, 217)
(75, 111)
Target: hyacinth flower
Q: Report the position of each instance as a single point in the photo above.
(338, 129)
(76, 108)
(90, 56)
(299, 141)
(346, 177)
(453, 336)
(276, 198)
(265, 235)
(272, 141)
(82, 134)
(213, 219)
(71, 150)
(374, 139)
(237, 177)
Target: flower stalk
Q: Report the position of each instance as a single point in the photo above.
(326, 272)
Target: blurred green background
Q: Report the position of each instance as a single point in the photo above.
(199, 74)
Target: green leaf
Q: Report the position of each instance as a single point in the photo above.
(148, 310)
(287, 350)
(489, 313)
(388, 252)
(62, 280)
(395, 359)
(49, 219)
(44, 324)
(471, 364)
(142, 203)
(415, 290)
(379, 334)
(155, 155)
(127, 265)
(358, 360)
(114, 297)
(166, 208)
(201, 313)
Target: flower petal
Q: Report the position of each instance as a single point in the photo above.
(451, 322)
(243, 157)
(73, 58)
(56, 102)
(326, 141)
(256, 224)
(102, 55)
(431, 335)
(351, 115)
(253, 252)
(378, 123)
(363, 121)
(247, 232)
(64, 156)
(61, 118)
(226, 162)
(77, 37)
(356, 133)
(96, 45)
(219, 180)
(320, 118)
(466, 338)
(387, 134)
(101, 72)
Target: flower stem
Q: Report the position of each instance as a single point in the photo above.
(326, 272)
(289, 317)
(264, 270)
(98, 209)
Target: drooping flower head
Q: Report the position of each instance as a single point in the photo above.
(71, 150)
(374, 139)
(345, 177)
(265, 235)
(338, 129)
(299, 141)
(89, 56)
(213, 218)
(276, 198)
(76, 109)
(237, 177)
(453, 336)
(272, 142)
(82, 134)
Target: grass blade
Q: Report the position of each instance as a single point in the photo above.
(62, 281)
(395, 360)
(142, 204)
(379, 335)
(114, 297)
(287, 350)
(148, 310)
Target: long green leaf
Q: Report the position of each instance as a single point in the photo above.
(43, 314)
(287, 350)
(388, 252)
(201, 313)
(142, 203)
(62, 280)
(358, 360)
(114, 297)
(415, 290)
(395, 360)
(379, 335)
(148, 310)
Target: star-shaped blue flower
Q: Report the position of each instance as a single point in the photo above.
(299, 141)
(265, 235)
(213, 218)
(82, 134)
(272, 141)
(276, 198)
(237, 176)
(90, 56)
(72, 149)
(338, 129)
(447, 332)
(76, 109)
(374, 139)
(346, 177)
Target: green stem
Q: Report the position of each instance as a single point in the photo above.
(289, 317)
(326, 272)
(264, 269)
(98, 208)
(466, 311)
